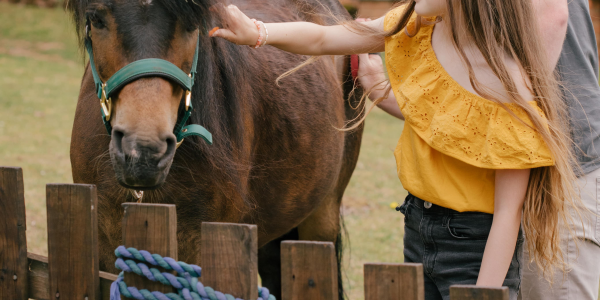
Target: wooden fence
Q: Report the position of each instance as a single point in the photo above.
(228, 254)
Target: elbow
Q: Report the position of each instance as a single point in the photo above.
(558, 15)
(562, 18)
(552, 17)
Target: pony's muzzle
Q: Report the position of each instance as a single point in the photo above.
(141, 162)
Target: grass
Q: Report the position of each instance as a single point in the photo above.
(39, 82)
(40, 73)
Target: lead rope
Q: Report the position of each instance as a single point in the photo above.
(187, 283)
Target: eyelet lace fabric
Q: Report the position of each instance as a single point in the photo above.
(453, 120)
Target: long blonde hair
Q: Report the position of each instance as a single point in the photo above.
(501, 28)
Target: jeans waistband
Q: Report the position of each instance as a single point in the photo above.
(428, 206)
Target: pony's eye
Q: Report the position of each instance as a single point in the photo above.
(96, 21)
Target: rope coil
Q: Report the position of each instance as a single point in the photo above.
(187, 283)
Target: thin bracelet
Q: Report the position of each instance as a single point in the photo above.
(259, 41)
(266, 33)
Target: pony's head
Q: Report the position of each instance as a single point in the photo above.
(145, 111)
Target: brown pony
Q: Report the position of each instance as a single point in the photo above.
(277, 161)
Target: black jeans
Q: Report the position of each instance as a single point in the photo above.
(450, 246)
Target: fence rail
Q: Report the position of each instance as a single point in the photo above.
(228, 254)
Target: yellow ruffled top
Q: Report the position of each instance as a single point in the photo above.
(453, 140)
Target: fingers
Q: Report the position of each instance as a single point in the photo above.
(363, 58)
(224, 33)
(212, 31)
(238, 28)
(370, 58)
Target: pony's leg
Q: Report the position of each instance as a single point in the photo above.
(324, 225)
(269, 263)
(110, 215)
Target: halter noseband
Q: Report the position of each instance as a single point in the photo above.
(150, 67)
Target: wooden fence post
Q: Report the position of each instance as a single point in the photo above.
(13, 242)
(150, 227)
(73, 241)
(470, 292)
(308, 270)
(394, 281)
(229, 258)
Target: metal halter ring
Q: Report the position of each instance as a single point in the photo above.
(139, 195)
(181, 142)
(106, 104)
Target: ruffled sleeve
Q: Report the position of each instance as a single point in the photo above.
(454, 121)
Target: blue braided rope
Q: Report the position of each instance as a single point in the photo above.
(156, 260)
(188, 285)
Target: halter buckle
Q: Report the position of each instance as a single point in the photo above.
(188, 100)
(188, 97)
(106, 104)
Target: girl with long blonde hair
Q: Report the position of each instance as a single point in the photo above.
(485, 143)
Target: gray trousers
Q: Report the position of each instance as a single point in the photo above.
(581, 281)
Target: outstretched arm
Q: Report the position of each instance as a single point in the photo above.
(303, 37)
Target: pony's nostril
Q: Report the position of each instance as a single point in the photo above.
(171, 145)
(117, 136)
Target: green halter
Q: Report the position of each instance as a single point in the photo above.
(150, 67)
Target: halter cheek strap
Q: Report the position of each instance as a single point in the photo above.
(150, 67)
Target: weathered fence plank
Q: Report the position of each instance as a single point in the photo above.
(73, 241)
(150, 227)
(470, 292)
(39, 279)
(308, 270)
(394, 281)
(229, 258)
(13, 242)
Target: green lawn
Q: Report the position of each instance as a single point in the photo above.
(40, 72)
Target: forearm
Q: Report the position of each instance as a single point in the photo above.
(499, 248)
(297, 37)
(509, 196)
(388, 104)
(312, 39)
